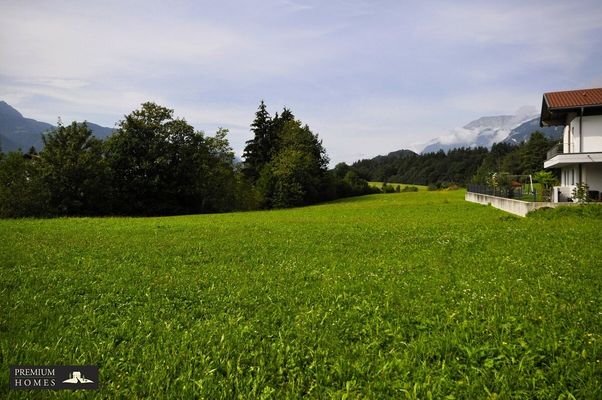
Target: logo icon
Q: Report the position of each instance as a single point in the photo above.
(77, 377)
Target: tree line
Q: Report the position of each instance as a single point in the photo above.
(459, 166)
(156, 164)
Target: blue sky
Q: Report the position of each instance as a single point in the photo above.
(369, 76)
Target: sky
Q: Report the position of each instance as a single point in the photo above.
(369, 76)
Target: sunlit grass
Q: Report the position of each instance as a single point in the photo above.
(400, 185)
(410, 295)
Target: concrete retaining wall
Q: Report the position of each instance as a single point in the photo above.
(516, 207)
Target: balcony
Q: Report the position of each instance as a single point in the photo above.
(557, 159)
(554, 151)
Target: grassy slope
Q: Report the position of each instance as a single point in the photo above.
(401, 185)
(397, 295)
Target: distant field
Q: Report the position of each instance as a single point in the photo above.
(411, 295)
(401, 185)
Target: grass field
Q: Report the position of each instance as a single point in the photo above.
(401, 185)
(411, 295)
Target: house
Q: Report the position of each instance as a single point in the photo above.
(579, 156)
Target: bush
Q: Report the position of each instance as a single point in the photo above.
(23, 193)
(386, 188)
(409, 189)
(580, 193)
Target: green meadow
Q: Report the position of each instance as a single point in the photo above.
(395, 185)
(409, 295)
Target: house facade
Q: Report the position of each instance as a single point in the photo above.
(579, 156)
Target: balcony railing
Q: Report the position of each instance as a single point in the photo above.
(554, 151)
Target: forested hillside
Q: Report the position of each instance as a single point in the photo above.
(458, 166)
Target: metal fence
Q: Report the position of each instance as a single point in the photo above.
(518, 193)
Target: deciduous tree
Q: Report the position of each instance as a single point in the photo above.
(74, 170)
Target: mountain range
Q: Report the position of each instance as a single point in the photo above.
(486, 131)
(18, 132)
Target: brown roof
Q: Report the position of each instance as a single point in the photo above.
(557, 107)
(574, 98)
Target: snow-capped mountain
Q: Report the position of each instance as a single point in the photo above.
(484, 131)
(523, 132)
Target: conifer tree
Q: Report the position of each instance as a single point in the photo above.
(257, 152)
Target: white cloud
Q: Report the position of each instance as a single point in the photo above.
(369, 76)
(545, 32)
(492, 101)
(72, 46)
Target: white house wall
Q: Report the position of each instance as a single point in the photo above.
(569, 176)
(591, 141)
(566, 141)
(593, 176)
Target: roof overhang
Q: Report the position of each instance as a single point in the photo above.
(558, 116)
(557, 106)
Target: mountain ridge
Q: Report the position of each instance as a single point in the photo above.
(20, 133)
(485, 131)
